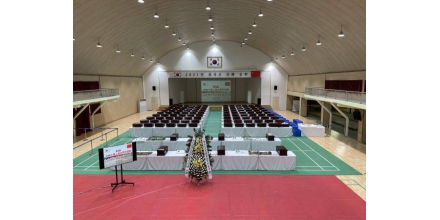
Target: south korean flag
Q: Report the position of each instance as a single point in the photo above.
(215, 62)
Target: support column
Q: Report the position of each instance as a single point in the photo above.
(326, 116)
(364, 126)
(361, 134)
(347, 120)
(303, 107)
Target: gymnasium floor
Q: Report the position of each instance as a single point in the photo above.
(329, 183)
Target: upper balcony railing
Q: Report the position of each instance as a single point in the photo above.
(349, 96)
(94, 94)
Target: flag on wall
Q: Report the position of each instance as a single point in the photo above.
(255, 74)
(215, 62)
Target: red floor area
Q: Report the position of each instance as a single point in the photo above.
(223, 197)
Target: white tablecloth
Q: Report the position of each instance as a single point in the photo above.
(231, 161)
(311, 130)
(256, 131)
(171, 161)
(246, 144)
(243, 161)
(276, 162)
(180, 144)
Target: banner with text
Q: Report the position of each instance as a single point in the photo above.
(118, 155)
(216, 91)
(214, 74)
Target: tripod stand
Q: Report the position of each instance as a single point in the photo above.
(117, 183)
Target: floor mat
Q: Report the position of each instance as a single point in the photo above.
(223, 197)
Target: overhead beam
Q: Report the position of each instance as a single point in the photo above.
(80, 111)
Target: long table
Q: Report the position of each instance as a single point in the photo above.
(231, 161)
(257, 131)
(311, 130)
(142, 144)
(246, 144)
(152, 145)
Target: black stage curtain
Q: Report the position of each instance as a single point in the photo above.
(83, 120)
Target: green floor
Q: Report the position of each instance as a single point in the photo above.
(311, 159)
(213, 123)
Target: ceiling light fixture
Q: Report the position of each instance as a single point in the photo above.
(174, 33)
(341, 34)
(304, 48)
(166, 23)
(213, 39)
(118, 51)
(210, 17)
(73, 38)
(187, 47)
(141, 1)
(132, 55)
(158, 62)
(261, 13)
(319, 42)
(179, 39)
(156, 15)
(212, 34)
(143, 57)
(212, 27)
(242, 42)
(245, 38)
(291, 54)
(207, 7)
(184, 43)
(98, 45)
(283, 56)
(151, 60)
(269, 0)
(250, 32)
(255, 24)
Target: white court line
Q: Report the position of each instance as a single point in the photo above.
(87, 166)
(83, 161)
(305, 154)
(120, 140)
(91, 165)
(319, 155)
(314, 166)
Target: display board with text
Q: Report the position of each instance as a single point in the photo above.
(116, 155)
(216, 91)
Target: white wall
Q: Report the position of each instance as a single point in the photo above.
(234, 58)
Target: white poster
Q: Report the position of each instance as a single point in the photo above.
(216, 91)
(118, 155)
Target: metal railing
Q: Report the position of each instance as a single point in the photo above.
(94, 94)
(101, 136)
(349, 96)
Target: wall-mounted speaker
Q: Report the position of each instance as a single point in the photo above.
(275, 88)
(154, 88)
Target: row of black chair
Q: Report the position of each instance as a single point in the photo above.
(169, 121)
(253, 120)
(256, 124)
(168, 125)
(174, 118)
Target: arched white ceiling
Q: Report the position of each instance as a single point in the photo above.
(286, 26)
